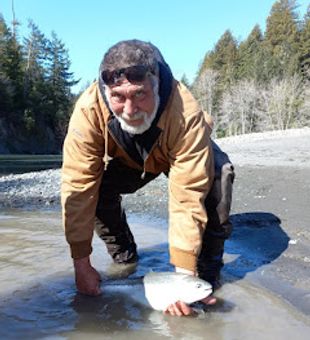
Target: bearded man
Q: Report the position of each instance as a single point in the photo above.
(133, 124)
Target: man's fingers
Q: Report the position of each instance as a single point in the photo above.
(170, 310)
(98, 277)
(90, 291)
(184, 308)
(209, 300)
(174, 310)
(179, 308)
(98, 291)
(89, 288)
(87, 279)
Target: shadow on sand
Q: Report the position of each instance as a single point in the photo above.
(257, 239)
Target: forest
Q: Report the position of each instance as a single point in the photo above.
(258, 84)
(35, 90)
(261, 83)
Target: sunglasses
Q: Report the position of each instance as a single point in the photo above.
(136, 73)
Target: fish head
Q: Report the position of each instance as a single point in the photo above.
(165, 288)
(192, 289)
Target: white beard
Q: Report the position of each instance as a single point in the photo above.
(147, 120)
(147, 117)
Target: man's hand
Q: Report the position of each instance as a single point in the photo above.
(180, 308)
(87, 278)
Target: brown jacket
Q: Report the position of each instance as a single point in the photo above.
(183, 149)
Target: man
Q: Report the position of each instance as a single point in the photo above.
(133, 124)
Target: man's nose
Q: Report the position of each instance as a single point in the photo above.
(130, 108)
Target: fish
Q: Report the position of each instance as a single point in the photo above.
(165, 288)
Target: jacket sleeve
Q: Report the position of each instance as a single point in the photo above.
(190, 178)
(81, 178)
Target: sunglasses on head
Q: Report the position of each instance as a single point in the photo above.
(136, 73)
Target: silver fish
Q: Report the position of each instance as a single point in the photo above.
(165, 288)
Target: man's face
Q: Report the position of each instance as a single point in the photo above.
(134, 104)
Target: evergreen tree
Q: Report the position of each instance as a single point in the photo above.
(207, 63)
(35, 86)
(60, 80)
(223, 59)
(185, 81)
(282, 36)
(11, 72)
(6, 89)
(251, 56)
(304, 48)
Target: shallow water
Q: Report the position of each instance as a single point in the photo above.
(18, 164)
(38, 298)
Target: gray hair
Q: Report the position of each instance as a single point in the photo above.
(131, 53)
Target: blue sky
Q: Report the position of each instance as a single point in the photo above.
(184, 30)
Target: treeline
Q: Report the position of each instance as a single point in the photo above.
(261, 83)
(35, 86)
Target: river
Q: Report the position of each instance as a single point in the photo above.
(25, 163)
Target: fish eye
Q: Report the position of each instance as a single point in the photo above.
(198, 285)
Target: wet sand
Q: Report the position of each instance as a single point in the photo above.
(38, 298)
(270, 193)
